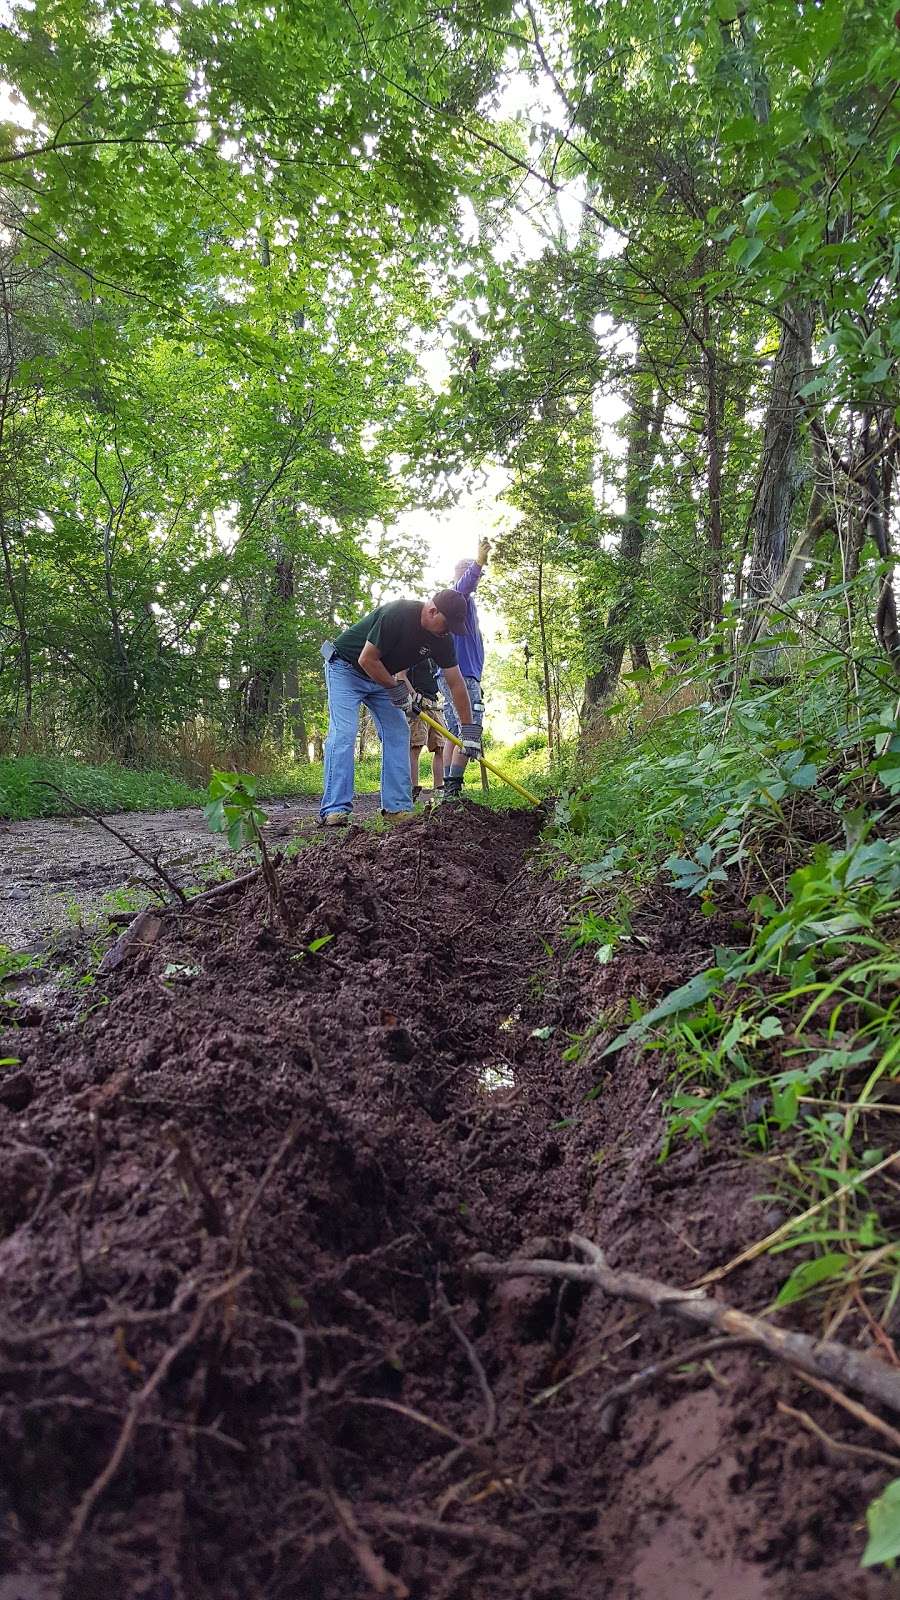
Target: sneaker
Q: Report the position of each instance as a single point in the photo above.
(417, 792)
(336, 819)
(453, 788)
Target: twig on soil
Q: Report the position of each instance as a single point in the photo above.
(144, 929)
(192, 1177)
(861, 1413)
(821, 1358)
(466, 1532)
(612, 1401)
(490, 1405)
(121, 1316)
(157, 1377)
(83, 1403)
(758, 1249)
(466, 921)
(218, 889)
(838, 1446)
(33, 1150)
(358, 1543)
(272, 1166)
(408, 1411)
(152, 862)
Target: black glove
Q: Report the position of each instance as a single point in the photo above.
(401, 696)
(470, 735)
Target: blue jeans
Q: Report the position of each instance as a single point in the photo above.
(347, 689)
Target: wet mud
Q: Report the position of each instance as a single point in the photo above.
(242, 1352)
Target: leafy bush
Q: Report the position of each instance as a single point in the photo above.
(768, 798)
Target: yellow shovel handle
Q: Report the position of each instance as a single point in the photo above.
(446, 734)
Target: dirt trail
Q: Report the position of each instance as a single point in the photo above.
(57, 870)
(242, 1353)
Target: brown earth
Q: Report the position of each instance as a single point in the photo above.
(57, 873)
(242, 1354)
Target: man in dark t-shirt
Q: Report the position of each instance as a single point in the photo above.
(360, 668)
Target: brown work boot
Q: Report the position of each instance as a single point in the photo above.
(336, 819)
(397, 816)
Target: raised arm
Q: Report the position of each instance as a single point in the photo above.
(467, 582)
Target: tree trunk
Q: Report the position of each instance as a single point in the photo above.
(644, 428)
(294, 714)
(714, 471)
(269, 651)
(17, 601)
(781, 473)
(545, 664)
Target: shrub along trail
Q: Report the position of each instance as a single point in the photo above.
(242, 1352)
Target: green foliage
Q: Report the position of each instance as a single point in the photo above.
(792, 1031)
(107, 788)
(232, 808)
(883, 1517)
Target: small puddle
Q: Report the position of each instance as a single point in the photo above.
(496, 1075)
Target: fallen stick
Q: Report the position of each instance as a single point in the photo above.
(153, 862)
(822, 1358)
(837, 1446)
(89, 1499)
(144, 930)
(462, 1532)
(877, 1424)
(219, 889)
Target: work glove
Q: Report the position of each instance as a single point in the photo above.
(400, 694)
(484, 550)
(470, 737)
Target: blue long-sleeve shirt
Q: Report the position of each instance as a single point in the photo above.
(469, 645)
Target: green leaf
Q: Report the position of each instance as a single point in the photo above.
(692, 993)
(810, 1273)
(878, 372)
(805, 776)
(883, 1517)
(320, 943)
(752, 248)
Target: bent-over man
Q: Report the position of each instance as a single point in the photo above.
(360, 669)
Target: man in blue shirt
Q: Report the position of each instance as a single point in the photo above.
(470, 656)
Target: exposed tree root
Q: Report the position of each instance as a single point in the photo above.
(823, 1358)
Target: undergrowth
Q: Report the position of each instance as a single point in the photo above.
(778, 807)
(111, 788)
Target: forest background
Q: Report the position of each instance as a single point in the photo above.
(296, 302)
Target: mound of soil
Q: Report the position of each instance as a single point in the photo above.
(243, 1354)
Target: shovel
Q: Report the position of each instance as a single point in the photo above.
(446, 734)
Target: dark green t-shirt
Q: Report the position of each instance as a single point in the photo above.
(397, 632)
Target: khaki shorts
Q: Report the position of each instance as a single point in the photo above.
(420, 734)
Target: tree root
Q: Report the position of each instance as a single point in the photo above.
(822, 1358)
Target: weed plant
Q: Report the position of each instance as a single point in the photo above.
(779, 805)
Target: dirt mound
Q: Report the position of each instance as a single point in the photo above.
(242, 1353)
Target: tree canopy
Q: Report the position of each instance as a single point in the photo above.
(229, 228)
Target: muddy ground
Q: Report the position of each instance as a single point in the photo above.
(243, 1351)
(59, 875)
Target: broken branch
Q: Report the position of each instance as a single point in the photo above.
(822, 1358)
